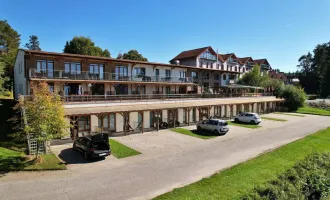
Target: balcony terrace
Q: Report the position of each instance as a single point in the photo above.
(104, 76)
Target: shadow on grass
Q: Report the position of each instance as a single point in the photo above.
(71, 156)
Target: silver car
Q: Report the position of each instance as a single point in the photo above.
(247, 117)
(217, 126)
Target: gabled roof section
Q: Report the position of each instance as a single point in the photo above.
(245, 60)
(193, 53)
(261, 61)
(228, 55)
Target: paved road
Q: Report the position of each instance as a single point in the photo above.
(149, 178)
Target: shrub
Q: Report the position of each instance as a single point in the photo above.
(308, 179)
(294, 97)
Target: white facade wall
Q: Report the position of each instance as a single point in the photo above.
(119, 123)
(21, 87)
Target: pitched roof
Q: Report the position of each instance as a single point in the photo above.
(245, 59)
(261, 61)
(228, 55)
(192, 53)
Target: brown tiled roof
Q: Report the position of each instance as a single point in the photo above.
(228, 55)
(245, 59)
(192, 53)
(261, 61)
(106, 59)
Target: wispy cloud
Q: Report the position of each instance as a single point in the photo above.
(287, 25)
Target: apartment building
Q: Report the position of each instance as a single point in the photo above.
(116, 95)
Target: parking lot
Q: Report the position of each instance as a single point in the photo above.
(164, 142)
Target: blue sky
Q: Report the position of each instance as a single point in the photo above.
(279, 30)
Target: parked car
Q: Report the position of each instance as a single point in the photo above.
(247, 117)
(93, 146)
(216, 126)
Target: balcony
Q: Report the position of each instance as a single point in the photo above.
(84, 75)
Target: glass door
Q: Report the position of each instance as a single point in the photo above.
(101, 72)
(157, 75)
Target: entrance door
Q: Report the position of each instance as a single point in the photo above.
(157, 75)
(97, 89)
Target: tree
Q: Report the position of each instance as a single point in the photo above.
(84, 46)
(294, 97)
(33, 43)
(322, 67)
(253, 77)
(134, 55)
(275, 84)
(44, 114)
(305, 63)
(9, 44)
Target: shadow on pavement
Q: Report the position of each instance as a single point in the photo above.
(206, 133)
(70, 156)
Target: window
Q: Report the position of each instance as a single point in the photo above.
(222, 67)
(45, 66)
(84, 123)
(243, 69)
(72, 67)
(206, 76)
(207, 65)
(200, 64)
(182, 74)
(194, 75)
(208, 55)
(224, 77)
(216, 77)
(218, 66)
(211, 65)
(235, 68)
(95, 68)
(140, 71)
(121, 71)
(168, 73)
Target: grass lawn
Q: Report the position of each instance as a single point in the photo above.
(121, 151)
(243, 125)
(11, 160)
(194, 133)
(290, 114)
(242, 178)
(274, 119)
(313, 111)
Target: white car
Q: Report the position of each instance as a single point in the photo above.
(246, 117)
(216, 126)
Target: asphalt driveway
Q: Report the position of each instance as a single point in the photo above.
(143, 176)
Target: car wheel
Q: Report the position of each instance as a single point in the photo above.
(253, 122)
(216, 132)
(199, 128)
(236, 120)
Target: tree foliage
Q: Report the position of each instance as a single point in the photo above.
(9, 44)
(294, 97)
(134, 55)
(45, 117)
(254, 78)
(33, 43)
(314, 70)
(84, 46)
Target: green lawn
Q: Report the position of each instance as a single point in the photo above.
(194, 133)
(313, 111)
(289, 114)
(242, 178)
(253, 126)
(121, 151)
(11, 160)
(274, 119)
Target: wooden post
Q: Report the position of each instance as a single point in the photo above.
(142, 125)
(188, 113)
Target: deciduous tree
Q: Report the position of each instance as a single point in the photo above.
(9, 44)
(134, 55)
(84, 46)
(44, 114)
